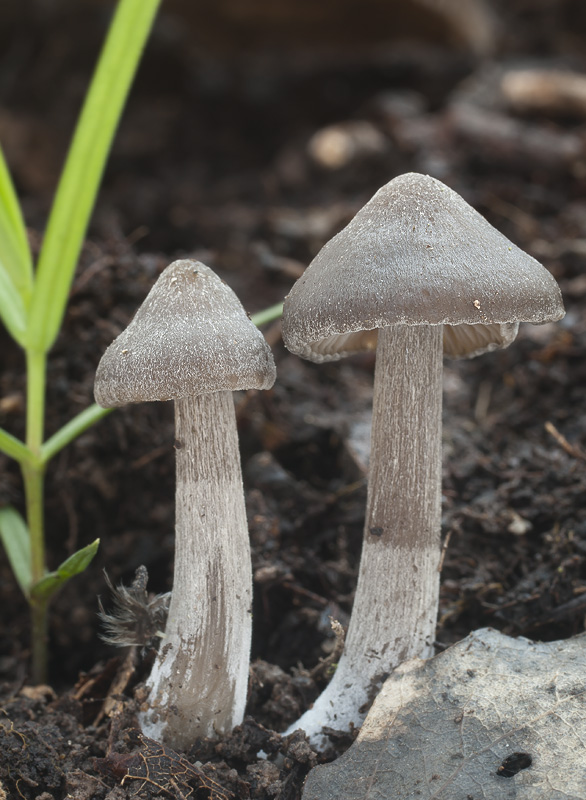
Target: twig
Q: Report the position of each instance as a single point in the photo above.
(571, 450)
(445, 546)
(323, 667)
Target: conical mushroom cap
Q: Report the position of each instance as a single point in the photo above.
(417, 254)
(190, 336)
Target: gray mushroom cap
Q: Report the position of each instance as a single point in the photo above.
(417, 254)
(190, 336)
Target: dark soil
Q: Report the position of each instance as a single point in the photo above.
(212, 162)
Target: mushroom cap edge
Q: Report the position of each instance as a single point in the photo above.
(417, 253)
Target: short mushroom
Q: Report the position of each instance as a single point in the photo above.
(417, 273)
(191, 341)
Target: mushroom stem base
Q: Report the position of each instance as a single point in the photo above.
(199, 680)
(395, 607)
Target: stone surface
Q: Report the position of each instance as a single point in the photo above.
(491, 718)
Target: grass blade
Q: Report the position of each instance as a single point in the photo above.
(16, 540)
(83, 170)
(15, 254)
(16, 269)
(12, 309)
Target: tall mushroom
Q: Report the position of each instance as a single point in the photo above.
(417, 273)
(191, 341)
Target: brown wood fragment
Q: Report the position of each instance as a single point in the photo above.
(570, 449)
(112, 703)
(550, 91)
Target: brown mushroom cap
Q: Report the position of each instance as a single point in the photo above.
(189, 337)
(417, 254)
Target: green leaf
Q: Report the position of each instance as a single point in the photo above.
(74, 428)
(14, 448)
(16, 540)
(15, 254)
(82, 174)
(74, 565)
(12, 311)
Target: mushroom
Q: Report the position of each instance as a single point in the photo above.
(191, 341)
(416, 274)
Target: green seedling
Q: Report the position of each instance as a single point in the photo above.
(33, 302)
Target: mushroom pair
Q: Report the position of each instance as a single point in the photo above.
(192, 341)
(417, 274)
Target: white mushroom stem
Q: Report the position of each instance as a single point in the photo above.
(199, 681)
(395, 607)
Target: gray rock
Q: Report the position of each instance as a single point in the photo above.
(491, 718)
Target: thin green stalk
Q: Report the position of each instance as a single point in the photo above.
(267, 315)
(36, 363)
(33, 476)
(74, 428)
(39, 641)
(33, 486)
